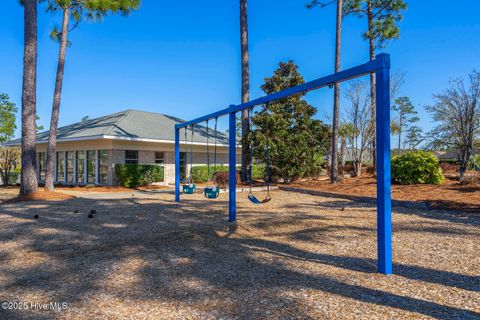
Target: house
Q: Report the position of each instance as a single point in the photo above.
(87, 151)
(451, 155)
(447, 156)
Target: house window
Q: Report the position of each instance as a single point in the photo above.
(60, 166)
(102, 166)
(91, 166)
(159, 158)
(41, 165)
(131, 156)
(69, 177)
(80, 166)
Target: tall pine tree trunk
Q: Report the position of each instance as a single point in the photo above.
(245, 87)
(52, 138)
(336, 104)
(29, 181)
(373, 80)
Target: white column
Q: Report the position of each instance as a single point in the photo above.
(38, 166)
(74, 167)
(65, 167)
(55, 176)
(96, 166)
(85, 178)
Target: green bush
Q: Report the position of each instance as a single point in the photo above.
(200, 173)
(12, 178)
(474, 162)
(134, 175)
(416, 167)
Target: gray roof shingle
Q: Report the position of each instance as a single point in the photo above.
(131, 124)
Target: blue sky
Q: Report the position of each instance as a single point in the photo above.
(182, 57)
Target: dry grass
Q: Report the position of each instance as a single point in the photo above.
(300, 256)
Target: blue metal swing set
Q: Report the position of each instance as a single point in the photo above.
(380, 66)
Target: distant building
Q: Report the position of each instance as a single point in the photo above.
(451, 155)
(87, 151)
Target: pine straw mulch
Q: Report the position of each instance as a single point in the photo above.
(111, 188)
(451, 195)
(10, 193)
(299, 257)
(41, 195)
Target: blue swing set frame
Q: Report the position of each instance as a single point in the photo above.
(380, 66)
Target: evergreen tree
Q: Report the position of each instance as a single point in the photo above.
(245, 90)
(382, 25)
(297, 142)
(29, 182)
(73, 11)
(414, 137)
(8, 156)
(406, 116)
(336, 100)
(8, 111)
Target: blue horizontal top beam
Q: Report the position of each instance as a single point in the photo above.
(381, 61)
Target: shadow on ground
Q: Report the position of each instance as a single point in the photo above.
(184, 255)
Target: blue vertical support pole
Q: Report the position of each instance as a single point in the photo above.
(177, 164)
(232, 167)
(384, 200)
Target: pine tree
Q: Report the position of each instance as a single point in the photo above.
(406, 116)
(29, 183)
(297, 142)
(75, 11)
(382, 25)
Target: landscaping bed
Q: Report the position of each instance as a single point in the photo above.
(450, 195)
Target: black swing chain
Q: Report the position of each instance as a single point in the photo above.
(215, 150)
(208, 153)
(191, 152)
(186, 156)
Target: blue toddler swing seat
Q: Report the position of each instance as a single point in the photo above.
(253, 199)
(212, 191)
(189, 187)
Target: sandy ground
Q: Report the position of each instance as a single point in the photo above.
(7, 193)
(300, 256)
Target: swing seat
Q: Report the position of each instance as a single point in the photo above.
(211, 192)
(255, 200)
(189, 188)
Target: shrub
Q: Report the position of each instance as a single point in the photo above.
(200, 173)
(370, 169)
(449, 167)
(346, 169)
(13, 177)
(474, 162)
(471, 179)
(222, 178)
(416, 167)
(134, 175)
